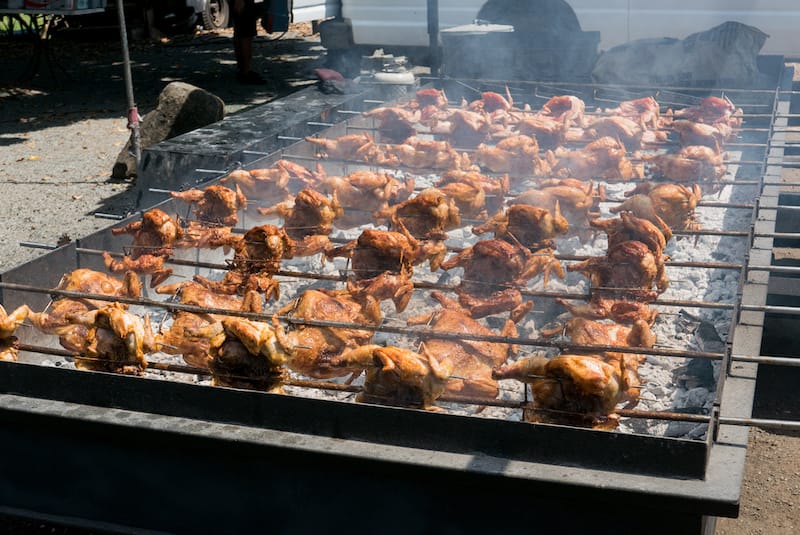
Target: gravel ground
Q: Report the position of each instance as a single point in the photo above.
(59, 138)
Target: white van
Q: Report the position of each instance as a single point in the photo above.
(404, 23)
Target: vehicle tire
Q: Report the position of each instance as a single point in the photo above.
(216, 15)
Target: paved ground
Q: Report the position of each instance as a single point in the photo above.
(59, 138)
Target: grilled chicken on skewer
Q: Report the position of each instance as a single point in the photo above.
(8, 325)
(472, 361)
(214, 205)
(530, 226)
(315, 346)
(580, 389)
(397, 376)
(308, 220)
(668, 206)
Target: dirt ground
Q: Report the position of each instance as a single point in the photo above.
(60, 134)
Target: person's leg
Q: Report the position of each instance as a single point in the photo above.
(244, 30)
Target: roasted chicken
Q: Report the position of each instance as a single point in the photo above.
(115, 340)
(246, 353)
(419, 153)
(493, 271)
(308, 220)
(357, 147)
(427, 216)
(315, 346)
(257, 256)
(265, 185)
(397, 376)
(628, 227)
(155, 234)
(692, 163)
(570, 389)
(626, 265)
(489, 190)
(472, 361)
(214, 205)
(54, 319)
(9, 344)
(668, 206)
(602, 158)
(361, 193)
(713, 111)
(530, 226)
(177, 340)
(395, 124)
(577, 199)
(517, 155)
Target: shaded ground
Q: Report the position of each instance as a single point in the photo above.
(59, 138)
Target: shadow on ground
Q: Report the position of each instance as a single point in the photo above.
(80, 79)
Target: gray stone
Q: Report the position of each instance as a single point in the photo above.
(724, 54)
(181, 108)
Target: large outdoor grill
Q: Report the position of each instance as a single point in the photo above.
(168, 451)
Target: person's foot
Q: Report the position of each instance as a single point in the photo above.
(250, 78)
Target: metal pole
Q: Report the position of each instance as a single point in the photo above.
(433, 35)
(133, 112)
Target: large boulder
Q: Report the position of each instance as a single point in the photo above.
(726, 54)
(181, 108)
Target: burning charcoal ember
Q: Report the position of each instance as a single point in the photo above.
(668, 206)
(308, 220)
(315, 346)
(577, 199)
(266, 185)
(361, 193)
(115, 340)
(493, 270)
(214, 205)
(395, 124)
(493, 190)
(693, 163)
(177, 340)
(397, 376)
(247, 354)
(603, 158)
(530, 226)
(427, 216)
(472, 361)
(516, 155)
(580, 390)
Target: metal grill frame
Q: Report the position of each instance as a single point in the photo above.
(232, 437)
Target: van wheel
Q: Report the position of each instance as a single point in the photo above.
(216, 15)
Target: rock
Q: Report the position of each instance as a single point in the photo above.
(724, 54)
(181, 108)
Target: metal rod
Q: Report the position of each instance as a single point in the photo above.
(338, 387)
(762, 359)
(416, 332)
